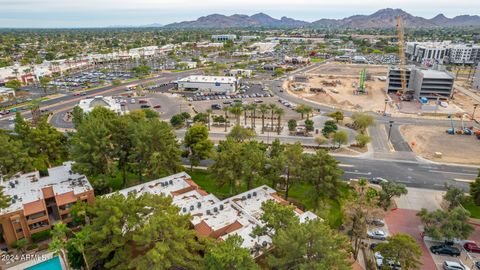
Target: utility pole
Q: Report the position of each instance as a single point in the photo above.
(474, 109)
(390, 129)
(385, 108)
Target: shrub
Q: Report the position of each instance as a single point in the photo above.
(32, 246)
(330, 127)
(362, 140)
(292, 124)
(40, 236)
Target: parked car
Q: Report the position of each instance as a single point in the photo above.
(142, 101)
(377, 234)
(379, 260)
(450, 265)
(446, 250)
(144, 106)
(132, 101)
(377, 222)
(373, 246)
(216, 107)
(471, 247)
(157, 106)
(477, 264)
(378, 180)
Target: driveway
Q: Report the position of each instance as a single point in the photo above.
(406, 221)
(418, 198)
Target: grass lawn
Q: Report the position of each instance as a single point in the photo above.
(298, 194)
(472, 208)
(316, 60)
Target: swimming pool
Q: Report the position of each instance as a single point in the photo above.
(52, 264)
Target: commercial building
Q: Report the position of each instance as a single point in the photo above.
(41, 199)
(476, 78)
(208, 83)
(240, 72)
(429, 53)
(6, 94)
(88, 104)
(264, 47)
(224, 38)
(219, 219)
(186, 65)
(426, 83)
(295, 60)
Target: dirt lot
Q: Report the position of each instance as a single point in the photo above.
(465, 103)
(435, 139)
(339, 69)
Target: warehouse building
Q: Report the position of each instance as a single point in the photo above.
(208, 84)
(215, 218)
(427, 83)
(41, 199)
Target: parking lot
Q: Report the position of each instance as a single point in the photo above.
(87, 79)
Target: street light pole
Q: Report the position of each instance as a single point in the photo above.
(390, 129)
(385, 108)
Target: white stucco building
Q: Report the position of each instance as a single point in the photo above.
(6, 94)
(88, 104)
(208, 83)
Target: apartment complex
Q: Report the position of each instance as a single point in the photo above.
(41, 199)
(430, 53)
(224, 38)
(216, 218)
(208, 83)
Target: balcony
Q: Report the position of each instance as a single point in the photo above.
(39, 228)
(36, 218)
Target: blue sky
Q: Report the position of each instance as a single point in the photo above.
(97, 13)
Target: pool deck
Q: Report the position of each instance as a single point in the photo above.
(35, 259)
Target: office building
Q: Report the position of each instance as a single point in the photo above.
(208, 83)
(223, 38)
(464, 54)
(218, 219)
(41, 199)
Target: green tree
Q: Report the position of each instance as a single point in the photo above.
(272, 108)
(177, 121)
(253, 157)
(140, 232)
(14, 84)
(329, 127)
(276, 217)
(322, 171)
(241, 134)
(198, 145)
(292, 166)
(337, 115)
(362, 140)
(229, 254)
(20, 244)
(77, 116)
(454, 196)
(236, 110)
(227, 166)
(449, 225)
(201, 117)
(310, 245)
(340, 137)
(401, 248)
(362, 121)
(263, 110)
(320, 140)
(58, 245)
(292, 125)
(44, 81)
(13, 157)
(279, 112)
(475, 189)
(209, 114)
(390, 190)
(78, 242)
(309, 125)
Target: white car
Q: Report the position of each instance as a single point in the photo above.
(451, 265)
(377, 234)
(132, 101)
(392, 264)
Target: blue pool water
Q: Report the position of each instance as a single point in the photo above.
(52, 264)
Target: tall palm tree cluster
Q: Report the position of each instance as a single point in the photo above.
(251, 110)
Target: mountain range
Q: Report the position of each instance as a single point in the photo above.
(384, 18)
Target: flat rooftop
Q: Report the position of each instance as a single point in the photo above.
(27, 188)
(208, 79)
(435, 74)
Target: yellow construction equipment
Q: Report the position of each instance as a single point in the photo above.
(401, 54)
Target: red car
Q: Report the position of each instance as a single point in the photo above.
(157, 106)
(471, 247)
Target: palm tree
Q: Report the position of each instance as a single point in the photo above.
(59, 241)
(263, 110)
(225, 109)
(279, 112)
(245, 108)
(301, 110)
(237, 111)
(272, 108)
(253, 110)
(209, 113)
(308, 110)
(79, 243)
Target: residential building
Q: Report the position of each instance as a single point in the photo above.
(476, 78)
(41, 199)
(6, 94)
(430, 53)
(88, 104)
(422, 83)
(208, 83)
(224, 38)
(211, 217)
(240, 72)
(464, 54)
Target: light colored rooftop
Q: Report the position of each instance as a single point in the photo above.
(208, 79)
(5, 90)
(436, 74)
(88, 104)
(27, 188)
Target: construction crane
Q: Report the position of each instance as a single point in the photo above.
(401, 54)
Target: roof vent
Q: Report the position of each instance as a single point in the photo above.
(16, 181)
(199, 204)
(192, 207)
(15, 196)
(70, 172)
(162, 184)
(184, 209)
(12, 184)
(264, 243)
(14, 201)
(221, 206)
(209, 212)
(254, 193)
(215, 209)
(244, 198)
(170, 182)
(249, 195)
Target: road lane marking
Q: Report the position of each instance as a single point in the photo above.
(345, 165)
(474, 174)
(403, 181)
(464, 180)
(361, 173)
